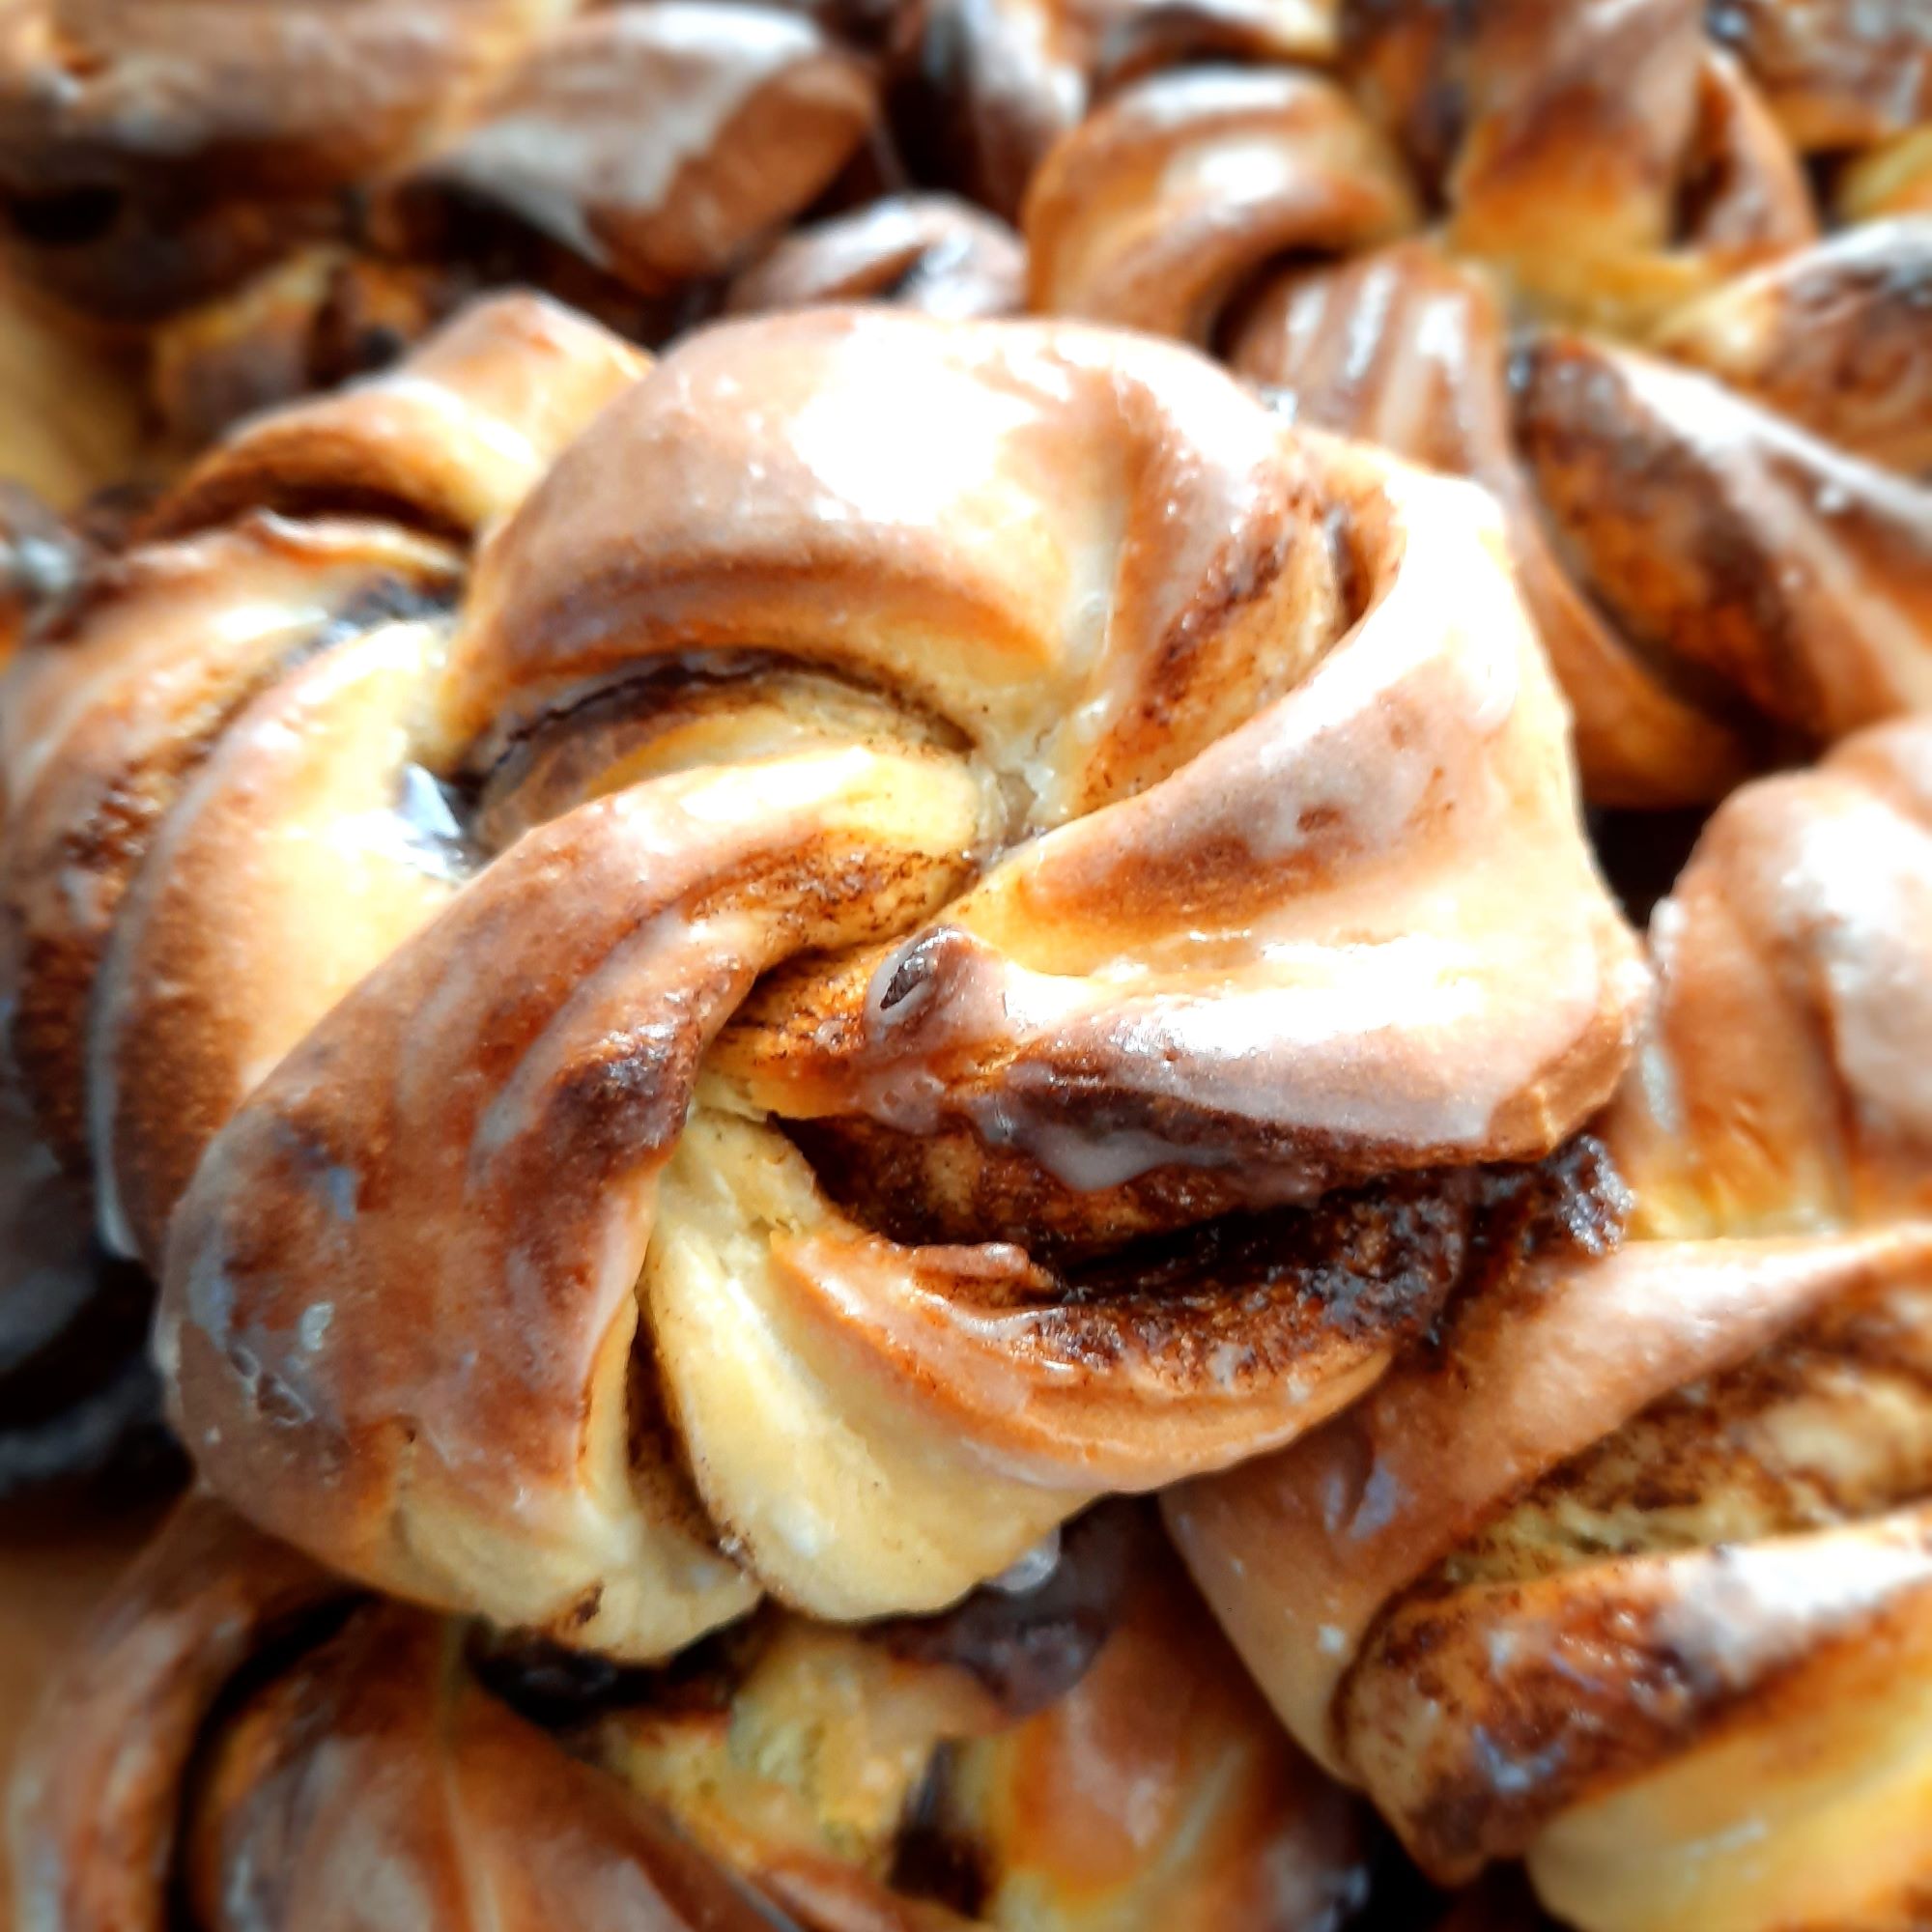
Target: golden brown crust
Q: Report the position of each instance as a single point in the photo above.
(276, 1753)
(111, 715)
(1837, 75)
(1028, 844)
(995, 82)
(1833, 338)
(1692, 564)
(93, 1799)
(1895, 178)
(1166, 197)
(1781, 1086)
(448, 442)
(1603, 159)
(927, 252)
(1002, 78)
(1023, 773)
(124, 128)
(1410, 349)
(1713, 579)
(658, 143)
(378, 1770)
(368, 1763)
(1744, 552)
(105, 727)
(152, 157)
(312, 322)
(1646, 1553)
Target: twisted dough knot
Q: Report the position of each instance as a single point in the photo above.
(152, 153)
(239, 1742)
(1641, 1588)
(1072, 825)
(927, 252)
(997, 82)
(1725, 562)
(1851, 85)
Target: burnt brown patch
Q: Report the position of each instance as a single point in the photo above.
(562, 1689)
(933, 1856)
(1029, 1647)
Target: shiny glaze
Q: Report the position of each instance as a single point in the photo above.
(107, 719)
(1837, 74)
(122, 106)
(929, 252)
(1597, 171)
(1165, 198)
(1074, 1749)
(152, 157)
(393, 1775)
(749, 113)
(999, 80)
(1636, 1581)
(1043, 819)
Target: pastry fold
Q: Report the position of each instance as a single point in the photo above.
(242, 1741)
(1574, 252)
(1632, 1577)
(916, 935)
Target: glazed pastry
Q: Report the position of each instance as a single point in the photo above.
(151, 154)
(929, 252)
(1851, 85)
(267, 199)
(330, 313)
(240, 1742)
(321, 318)
(1634, 1576)
(1719, 519)
(141, 661)
(854, 993)
(993, 83)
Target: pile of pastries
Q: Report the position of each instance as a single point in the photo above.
(983, 950)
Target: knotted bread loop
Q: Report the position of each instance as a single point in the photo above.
(1603, 161)
(153, 155)
(1160, 206)
(1851, 86)
(1606, 161)
(993, 83)
(927, 252)
(1729, 567)
(309, 546)
(1717, 582)
(241, 1741)
(155, 1762)
(985, 813)
(1637, 1581)
(660, 144)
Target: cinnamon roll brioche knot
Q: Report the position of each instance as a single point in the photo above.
(929, 252)
(913, 938)
(699, 994)
(1641, 1588)
(983, 88)
(1574, 252)
(153, 155)
(241, 1740)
